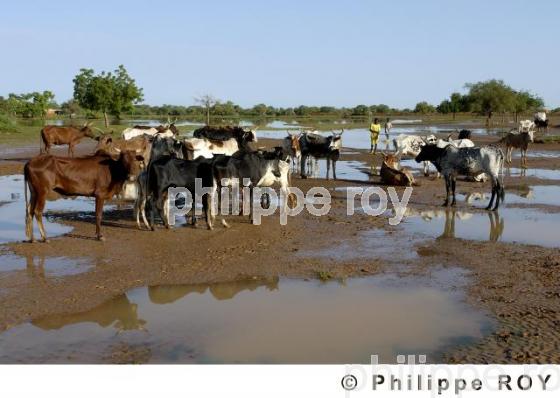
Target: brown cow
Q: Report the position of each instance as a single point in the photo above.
(100, 176)
(70, 135)
(111, 146)
(392, 174)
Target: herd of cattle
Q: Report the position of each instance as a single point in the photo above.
(146, 161)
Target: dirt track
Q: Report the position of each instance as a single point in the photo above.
(519, 284)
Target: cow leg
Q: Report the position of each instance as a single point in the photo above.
(39, 206)
(70, 150)
(164, 212)
(98, 217)
(302, 166)
(328, 167)
(447, 189)
(499, 194)
(251, 204)
(453, 183)
(334, 168)
(494, 181)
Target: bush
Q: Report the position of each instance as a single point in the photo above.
(8, 125)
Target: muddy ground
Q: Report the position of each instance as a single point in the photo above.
(518, 284)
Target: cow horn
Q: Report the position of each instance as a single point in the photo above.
(118, 150)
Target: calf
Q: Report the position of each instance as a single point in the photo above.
(451, 161)
(517, 140)
(57, 135)
(320, 147)
(100, 176)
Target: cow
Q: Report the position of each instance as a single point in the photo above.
(460, 143)
(68, 135)
(100, 176)
(260, 169)
(525, 126)
(320, 147)
(451, 161)
(290, 145)
(465, 134)
(223, 133)
(410, 145)
(207, 148)
(171, 172)
(392, 174)
(168, 130)
(161, 147)
(512, 140)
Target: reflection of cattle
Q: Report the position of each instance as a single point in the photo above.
(451, 161)
(320, 147)
(57, 135)
(99, 176)
(220, 291)
(119, 313)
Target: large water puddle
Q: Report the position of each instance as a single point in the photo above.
(262, 321)
(514, 225)
(12, 211)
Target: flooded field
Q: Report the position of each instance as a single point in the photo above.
(260, 321)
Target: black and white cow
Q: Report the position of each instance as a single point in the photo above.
(260, 169)
(452, 161)
(224, 133)
(320, 147)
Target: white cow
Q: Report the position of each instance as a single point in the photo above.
(410, 145)
(206, 148)
(526, 126)
(164, 132)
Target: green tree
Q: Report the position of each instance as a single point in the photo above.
(525, 101)
(491, 96)
(111, 93)
(423, 107)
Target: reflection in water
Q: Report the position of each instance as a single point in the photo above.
(263, 321)
(523, 225)
(119, 313)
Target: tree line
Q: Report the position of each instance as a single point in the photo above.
(116, 93)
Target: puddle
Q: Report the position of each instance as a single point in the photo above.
(43, 266)
(544, 174)
(512, 225)
(12, 211)
(535, 195)
(345, 170)
(374, 244)
(262, 321)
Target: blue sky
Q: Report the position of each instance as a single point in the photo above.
(284, 53)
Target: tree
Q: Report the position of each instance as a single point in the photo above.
(113, 92)
(361, 110)
(71, 108)
(423, 107)
(207, 101)
(525, 101)
(491, 96)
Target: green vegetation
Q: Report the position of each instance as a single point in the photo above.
(324, 275)
(112, 92)
(27, 105)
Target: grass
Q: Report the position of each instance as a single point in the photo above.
(324, 275)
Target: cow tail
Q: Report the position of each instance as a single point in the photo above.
(27, 215)
(41, 141)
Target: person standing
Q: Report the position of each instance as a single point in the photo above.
(388, 127)
(374, 129)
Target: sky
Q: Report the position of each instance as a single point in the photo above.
(284, 53)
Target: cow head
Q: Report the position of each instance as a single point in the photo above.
(390, 160)
(336, 141)
(429, 152)
(133, 162)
